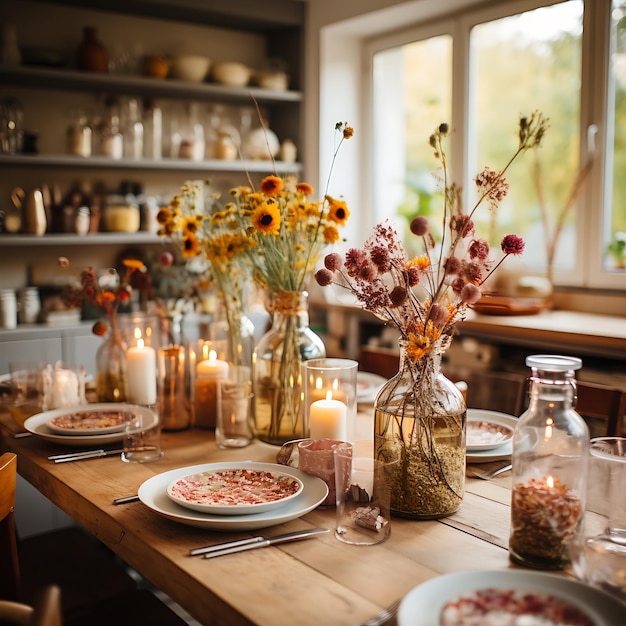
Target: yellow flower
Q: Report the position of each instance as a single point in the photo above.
(421, 262)
(304, 188)
(331, 234)
(191, 224)
(266, 219)
(337, 211)
(164, 215)
(417, 347)
(191, 245)
(133, 264)
(272, 186)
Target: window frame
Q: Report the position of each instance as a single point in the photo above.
(591, 223)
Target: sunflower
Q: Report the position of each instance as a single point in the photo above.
(272, 186)
(266, 218)
(337, 211)
(191, 245)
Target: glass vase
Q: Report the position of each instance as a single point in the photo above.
(277, 369)
(112, 367)
(420, 419)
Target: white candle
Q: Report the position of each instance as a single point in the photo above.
(212, 367)
(328, 419)
(142, 388)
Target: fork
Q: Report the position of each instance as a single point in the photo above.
(487, 474)
(384, 616)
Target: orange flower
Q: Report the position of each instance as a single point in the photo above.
(272, 186)
(337, 211)
(304, 188)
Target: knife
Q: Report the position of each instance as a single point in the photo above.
(79, 456)
(231, 547)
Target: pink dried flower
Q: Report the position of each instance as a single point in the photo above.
(355, 258)
(493, 186)
(323, 277)
(512, 244)
(452, 265)
(420, 226)
(380, 258)
(438, 315)
(332, 261)
(479, 249)
(470, 294)
(413, 276)
(462, 224)
(398, 296)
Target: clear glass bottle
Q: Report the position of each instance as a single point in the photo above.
(79, 136)
(134, 131)
(277, 369)
(111, 139)
(419, 417)
(153, 130)
(192, 141)
(550, 452)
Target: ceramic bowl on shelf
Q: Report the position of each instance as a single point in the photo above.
(231, 73)
(271, 80)
(190, 68)
(155, 66)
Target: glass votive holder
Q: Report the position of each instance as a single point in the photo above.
(317, 457)
(209, 370)
(142, 437)
(330, 398)
(598, 551)
(174, 403)
(62, 387)
(363, 494)
(234, 402)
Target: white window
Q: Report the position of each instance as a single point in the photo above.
(480, 71)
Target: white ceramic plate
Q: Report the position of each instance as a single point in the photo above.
(486, 433)
(238, 485)
(367, 386)
(422, 605)
(500, 453)
(38, 424)
(153, 493)
(88, 421)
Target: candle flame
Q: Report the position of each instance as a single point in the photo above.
(139, 343)
(550, 481)
(212, 355)
(329, 394)
(549, 425)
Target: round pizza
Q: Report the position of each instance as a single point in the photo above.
(89, 421)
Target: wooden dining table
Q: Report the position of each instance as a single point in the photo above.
(313, 582)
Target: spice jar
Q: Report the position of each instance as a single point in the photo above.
(550, 450)
(121, 215)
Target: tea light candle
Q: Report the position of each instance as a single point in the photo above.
(208, 373)
(141, 374)
(328, 419)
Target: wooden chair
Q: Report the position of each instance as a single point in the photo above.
(45, 612)
(93, 584)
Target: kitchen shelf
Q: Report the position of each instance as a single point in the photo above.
(73, 80)
(95, 162)
(95, 239)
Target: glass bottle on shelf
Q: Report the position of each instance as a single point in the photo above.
(79, 135)
(133, 137)
(153, 130)
(192, 141)
(111, 139)
(550, 450)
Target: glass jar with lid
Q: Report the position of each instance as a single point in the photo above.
(121, 214)
(550, 451)
(79, 135)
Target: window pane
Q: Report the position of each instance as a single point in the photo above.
(422, 73)
(523, 63)
(615, 223)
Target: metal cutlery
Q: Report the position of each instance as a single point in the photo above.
(80, 456)
(126, 499)
(230, 547)
(486, 475)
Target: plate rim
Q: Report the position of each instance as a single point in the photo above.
(431, 594)
(34, 423)
(501, 453)
(243, 509)
(480, 415)
(230, 523)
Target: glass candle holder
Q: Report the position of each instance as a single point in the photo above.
(174, 403)
(330, 398)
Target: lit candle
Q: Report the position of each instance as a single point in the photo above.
(208, 373)
(142, 376)
(328, 419)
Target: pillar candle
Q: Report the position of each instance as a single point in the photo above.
(328, 419)
(141, 374)
(208, 373)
